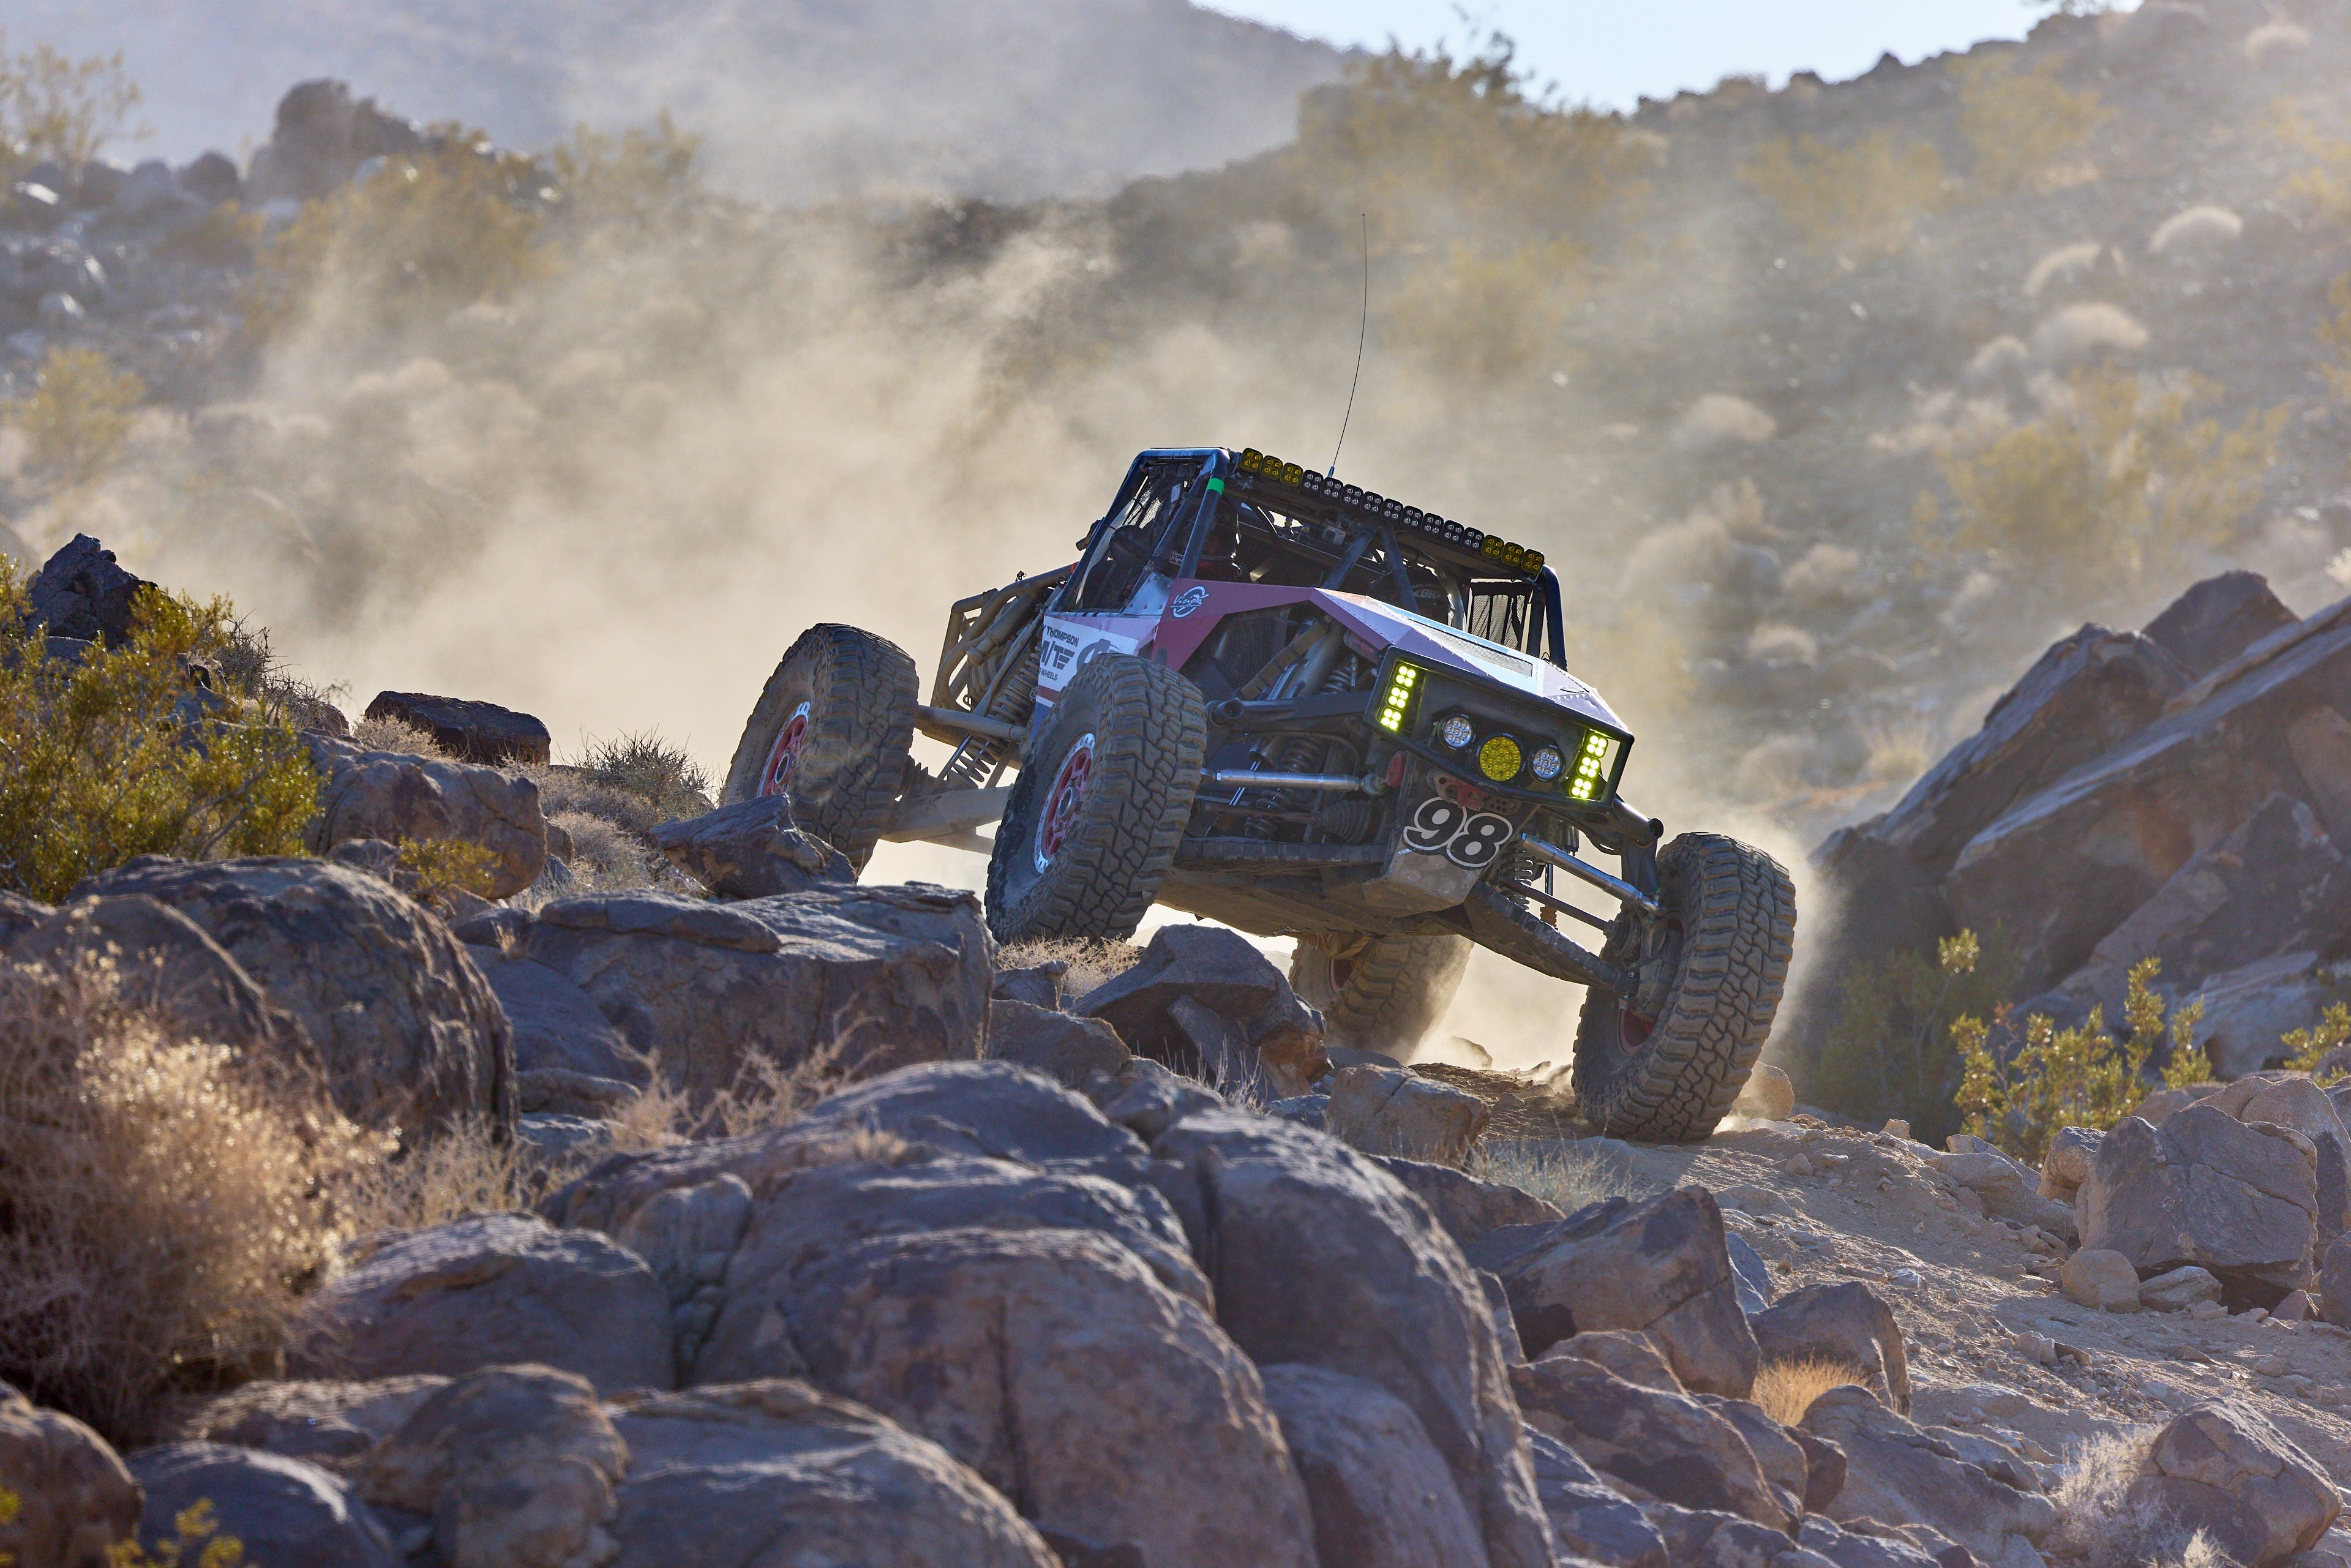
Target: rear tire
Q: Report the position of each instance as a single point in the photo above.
(1388, 996)
(832, 730)
(1671, 1078)
(1094, 820)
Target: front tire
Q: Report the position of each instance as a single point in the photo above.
(1387, 995)
(1094, 820)
(833, 729)
(1714, 964)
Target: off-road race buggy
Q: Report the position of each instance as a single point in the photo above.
(1303, 709)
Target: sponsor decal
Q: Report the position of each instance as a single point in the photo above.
(1188, 600)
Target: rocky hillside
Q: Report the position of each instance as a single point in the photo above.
(1818, 389)
(799, 102)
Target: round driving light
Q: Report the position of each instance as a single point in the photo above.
(1548, 762)
(1499, 758)
(1457, 732)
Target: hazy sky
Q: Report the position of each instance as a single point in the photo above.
(1612, 53)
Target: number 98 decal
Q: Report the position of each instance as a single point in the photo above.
(1467, 838)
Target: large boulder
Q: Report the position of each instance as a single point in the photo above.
(489, 1290)
(524, 1467)
(1318, 1257)
(321, 1421)
(1966, 1488)
(2207, 1189)
(980, 1109)
(556, 1026)
(2112, 831)
(392, 796)
(1466, 1205)
(2007, 1187)
(284, 1512)
(2223, 1471)
(468, 731)
(321, 137)
(1395, 1111)
(517, 1467)
(971, 1338)
(806, 1212)
(166, 961)
(1590, 1519)
(1655, 1443)
(2217, 620)
(851, 980)
(724, 1477)
(1204, 999)
(2087, 693)
(1660, 1266)
(751, 850)
(2247, 1012)
(80, 592)
(2293, 1100)
(1847, 1324)
(406, 1029)
(75, 1499)
(2275, 885)
(1066, 1049)
(1381, 1494)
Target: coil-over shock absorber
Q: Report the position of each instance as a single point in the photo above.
(1011, 697)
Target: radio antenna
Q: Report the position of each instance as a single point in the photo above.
(1361, 329)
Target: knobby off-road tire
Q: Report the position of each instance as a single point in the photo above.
(1095, 816)
(1670, 1079)
(832, 730)
(1387, 996)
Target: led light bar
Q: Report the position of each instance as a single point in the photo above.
(1588, 780)
(1491, 546)
(1396, 702)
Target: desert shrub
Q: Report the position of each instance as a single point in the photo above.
(439, 866)
(1786, 1389)
(1089, 961)
(604, 855)
(651, 769)
(164, 1199)
(1891, 1052)
(195, 1528)
(76, 419)
(1484, 198)
(2308, 1048)
(1552, 1171)
(636, 179)
(60, 111)
(391, 733)
(2336, 333)
(2020, 122)
(250, 667)
(2115, 484)
(2101, 1525)
(1484, 316)
(2080, 1077)
(2324, 187)
(427, 235)
(96, 767)
(467, 1168)
(228, 235)
(1867, 197)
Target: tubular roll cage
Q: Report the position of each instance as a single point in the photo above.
(1215, 472)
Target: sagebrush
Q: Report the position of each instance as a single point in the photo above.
(168, 1197)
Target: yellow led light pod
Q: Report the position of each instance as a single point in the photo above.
(1500, 758)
